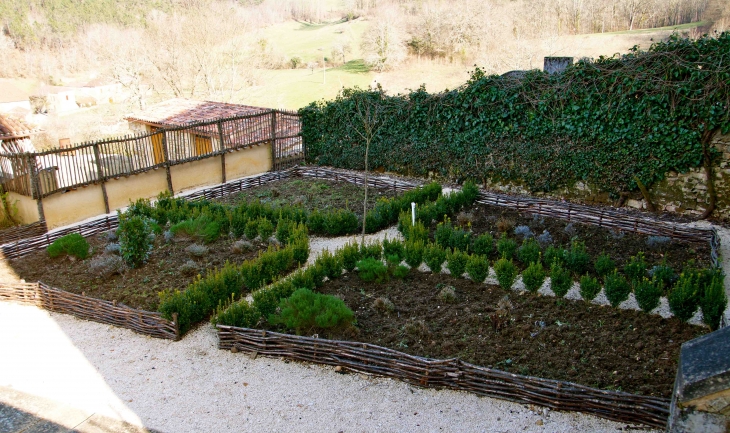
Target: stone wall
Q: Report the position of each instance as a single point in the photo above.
(681, 193)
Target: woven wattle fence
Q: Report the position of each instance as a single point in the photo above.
(84, 307)
(14, 234)
(450, 373)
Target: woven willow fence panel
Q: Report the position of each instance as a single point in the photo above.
(84, 307)
(450, 373)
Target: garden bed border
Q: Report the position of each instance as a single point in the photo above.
(449, 373)
(84, 307)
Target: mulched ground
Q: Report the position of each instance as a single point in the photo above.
(621, 246)
(136, 288)
(576, 341)
(311, 194)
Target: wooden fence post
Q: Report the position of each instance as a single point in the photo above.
(166, 155)
(223, 152)
(100, 174)
(35, 187)
(273, 140)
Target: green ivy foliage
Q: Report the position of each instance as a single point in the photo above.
(606, 122)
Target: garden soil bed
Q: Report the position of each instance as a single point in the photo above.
(137, 288)
(619, 245)
(529, 334)
(311, 194)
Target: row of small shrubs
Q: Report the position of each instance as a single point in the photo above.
(206, 221)
(694, 289)
(202, 296)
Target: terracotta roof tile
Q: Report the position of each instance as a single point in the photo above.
(13, 128)
(176, 112)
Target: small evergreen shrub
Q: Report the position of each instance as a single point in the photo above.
(443, 233)
(302, 280)
(371, 269)
(529, 252)
(393, 248)
(284, 230)
(617, 289)
(589, 287)
(135, 239)
(635, 269)
(477, 267)
(412, 232)
(554, 254)
(350, 255)
(533, 277)
(340, 222)
(203, 228)
(483, 245)
(506, 272)
(306, 312)
(434, 256)
(560, 280)
(713, 303)
(251, 229)
(316, 222)
(413, 252)
(577, 258)
(656, 242)
(400, 271)
(604, 265)
(460, 240)
(373, 251)
(240, 314)
(72, 244)
(331, 263)
(684, 297)
(267, 300)
(647, 292)
(506, 247)
(265, 228)
(456, 263)
(545, 239)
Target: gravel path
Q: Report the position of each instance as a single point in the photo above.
(191, 386)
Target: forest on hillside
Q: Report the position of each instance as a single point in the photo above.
(214, 49)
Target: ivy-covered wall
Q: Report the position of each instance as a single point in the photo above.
(681, 193)
(601, 130)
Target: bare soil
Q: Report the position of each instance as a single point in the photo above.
(312, 194)
(137, 288)
(529, 334)
(619, 245)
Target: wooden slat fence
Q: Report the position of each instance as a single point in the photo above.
(450, 373)
(59, 170)
(84, 307)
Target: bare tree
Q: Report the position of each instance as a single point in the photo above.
(341, 47)
(383, 43)
(369, 116)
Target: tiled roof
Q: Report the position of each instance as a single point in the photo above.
(176, 112)
(10, 93)
(13, 128)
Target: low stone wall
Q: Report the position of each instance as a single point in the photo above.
(681, 193)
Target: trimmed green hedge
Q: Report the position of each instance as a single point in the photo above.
(200, 298)
(607, 122)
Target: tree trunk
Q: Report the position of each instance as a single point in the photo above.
(709, 174)
(365, 203)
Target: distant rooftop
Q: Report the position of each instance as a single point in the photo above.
(178, 111)
(11, 127)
